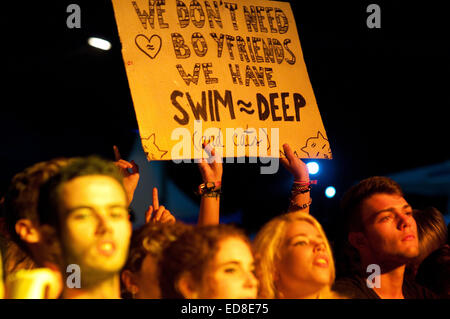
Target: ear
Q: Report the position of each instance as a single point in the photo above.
(357, 240)
(185, 285)
(27, 231)
(129, 281)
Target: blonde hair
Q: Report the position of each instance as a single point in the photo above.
(267, 249)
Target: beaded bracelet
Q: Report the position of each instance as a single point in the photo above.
(294, 206)
(209, 189)
(214, 194)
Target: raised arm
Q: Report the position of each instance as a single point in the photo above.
(158, 214)
(300, 198)
(130, 178)
(211, 171)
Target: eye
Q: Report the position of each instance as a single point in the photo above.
(385, 218)
(118, 213)
(301, 243)
(81, 214)
(230, 270)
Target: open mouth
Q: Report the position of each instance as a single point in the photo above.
(321, 261)
(106, 247)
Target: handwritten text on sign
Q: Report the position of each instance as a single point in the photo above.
(229, 64)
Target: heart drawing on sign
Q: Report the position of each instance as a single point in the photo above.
(150, 46)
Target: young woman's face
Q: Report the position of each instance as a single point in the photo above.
(305, 264)
(230, 274)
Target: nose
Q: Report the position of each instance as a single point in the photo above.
(319, 247)
(103, 224)
(404, 220)
(251, 281)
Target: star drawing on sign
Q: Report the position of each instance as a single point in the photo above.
(151, 149)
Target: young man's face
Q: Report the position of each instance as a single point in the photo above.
(95, 224)
(390, 229)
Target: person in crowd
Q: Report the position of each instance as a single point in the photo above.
(382, 229)
(140, 274)
(87, 206)
(25, 249)
(293, 256)
(294, 259)
(432, 232)
(208, 262)
(30, 262)
(434, 272)
(22, 246)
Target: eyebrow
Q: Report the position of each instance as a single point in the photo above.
(389, 209)
(71, 210)
(392, 209)
(233, 262)
(304, 235)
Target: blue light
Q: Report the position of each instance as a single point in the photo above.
(330, 191)
(313, 168)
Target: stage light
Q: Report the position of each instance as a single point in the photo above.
(99, 43)
(313, 168)
(330, 191)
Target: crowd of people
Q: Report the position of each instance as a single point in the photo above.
(66, 233)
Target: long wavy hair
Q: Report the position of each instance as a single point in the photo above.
(267, 249)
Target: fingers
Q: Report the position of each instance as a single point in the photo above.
(116, 153)
(155, 198)
(289, 153)
(124, 164)
(208, 148)
(134, 167)
(284, 161)
(158, 214)
(162, 215)
(167, 218)
(148, 214)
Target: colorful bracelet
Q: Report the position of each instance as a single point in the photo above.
(306, 183)
(300, 189)
(210, 188)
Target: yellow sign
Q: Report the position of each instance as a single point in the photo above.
(230, 73)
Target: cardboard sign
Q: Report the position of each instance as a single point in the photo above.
(230, 73)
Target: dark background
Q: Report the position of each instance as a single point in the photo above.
(382, 93)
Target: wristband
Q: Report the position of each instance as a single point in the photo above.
(305, 182)
(294, 206)
(209, 187)
(300, 189)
